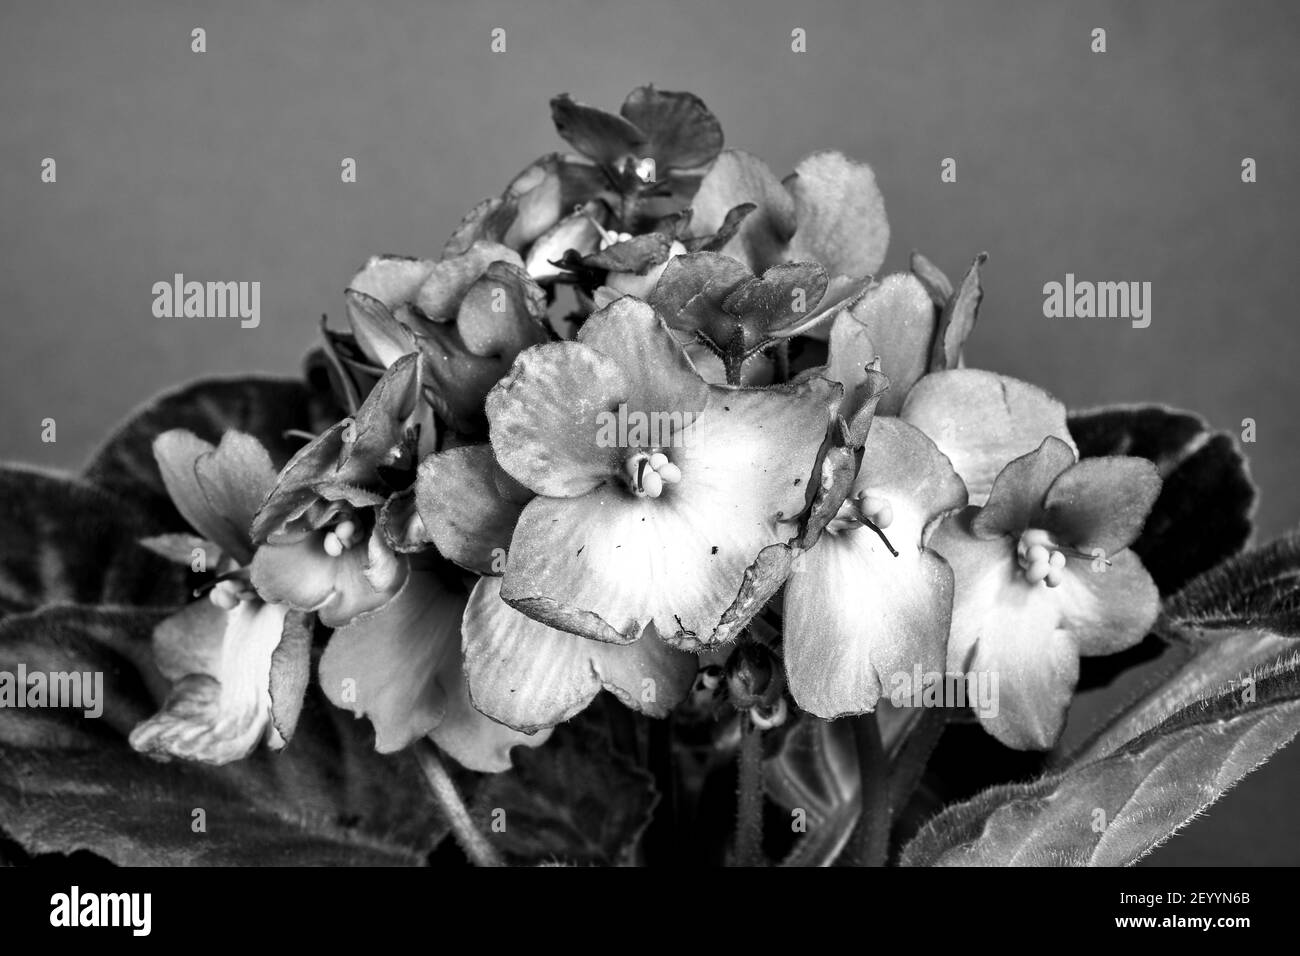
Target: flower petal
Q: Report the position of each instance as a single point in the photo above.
(385, 665)
(605, 137)
(1102, 502)
(660, 376)
(679, 130)
(737, 177)
(1107, 608)
(439, 296)
(893, 320)
(468, 519)
(982, 420)
(474, 741)
(840, 214)
(1016, 499)
(530, 676)
(217, 490)
(219, 706)
(295, 569)
(545, 417)
(856, 616)
(1010, 630)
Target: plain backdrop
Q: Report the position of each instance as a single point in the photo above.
(225, 165)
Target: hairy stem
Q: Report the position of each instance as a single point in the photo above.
(475, 845)
(749, 810)
(869, 844)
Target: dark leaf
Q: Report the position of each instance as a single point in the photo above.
(574, 801)
(66, 541)
(266, 408)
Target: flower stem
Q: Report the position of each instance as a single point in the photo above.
(475, 845)
(869, 844)
(749, 809)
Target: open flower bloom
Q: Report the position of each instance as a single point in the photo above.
(828, 211)
(322, 544)
(219, 652)
(400, 666)
(656, 492)
(629, 170)
(1044, 574)
(982, 421)
(468, 316)
(865, 604)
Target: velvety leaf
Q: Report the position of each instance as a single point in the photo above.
(69, 783)
(574, 801)
(67, 541)
(1204, 511)
(1114, 810)
(266, 408)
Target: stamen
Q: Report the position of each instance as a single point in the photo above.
(1040, 558)
(649, 473)
(333, 546)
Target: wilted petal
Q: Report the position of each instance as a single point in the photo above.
(219, 662)
(982, 420)
(605, 137)
(531, 676)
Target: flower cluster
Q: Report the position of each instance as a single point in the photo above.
(733, 449)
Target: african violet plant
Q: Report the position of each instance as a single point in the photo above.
(644, 525)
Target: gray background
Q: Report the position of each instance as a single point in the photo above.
(225, 166)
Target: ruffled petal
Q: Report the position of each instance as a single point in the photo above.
(220, 704)
(1016, 499)
(530, 676)
(982, 420)
(464, 512)
(840, 215)
(1102, 502)
(1107, 607)
(385, 665)
(546, 416)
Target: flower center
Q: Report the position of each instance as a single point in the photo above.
(229, 592)
(608, 237)
(343, 536)
(648, 473)
(864, 511)
(1040, 558)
